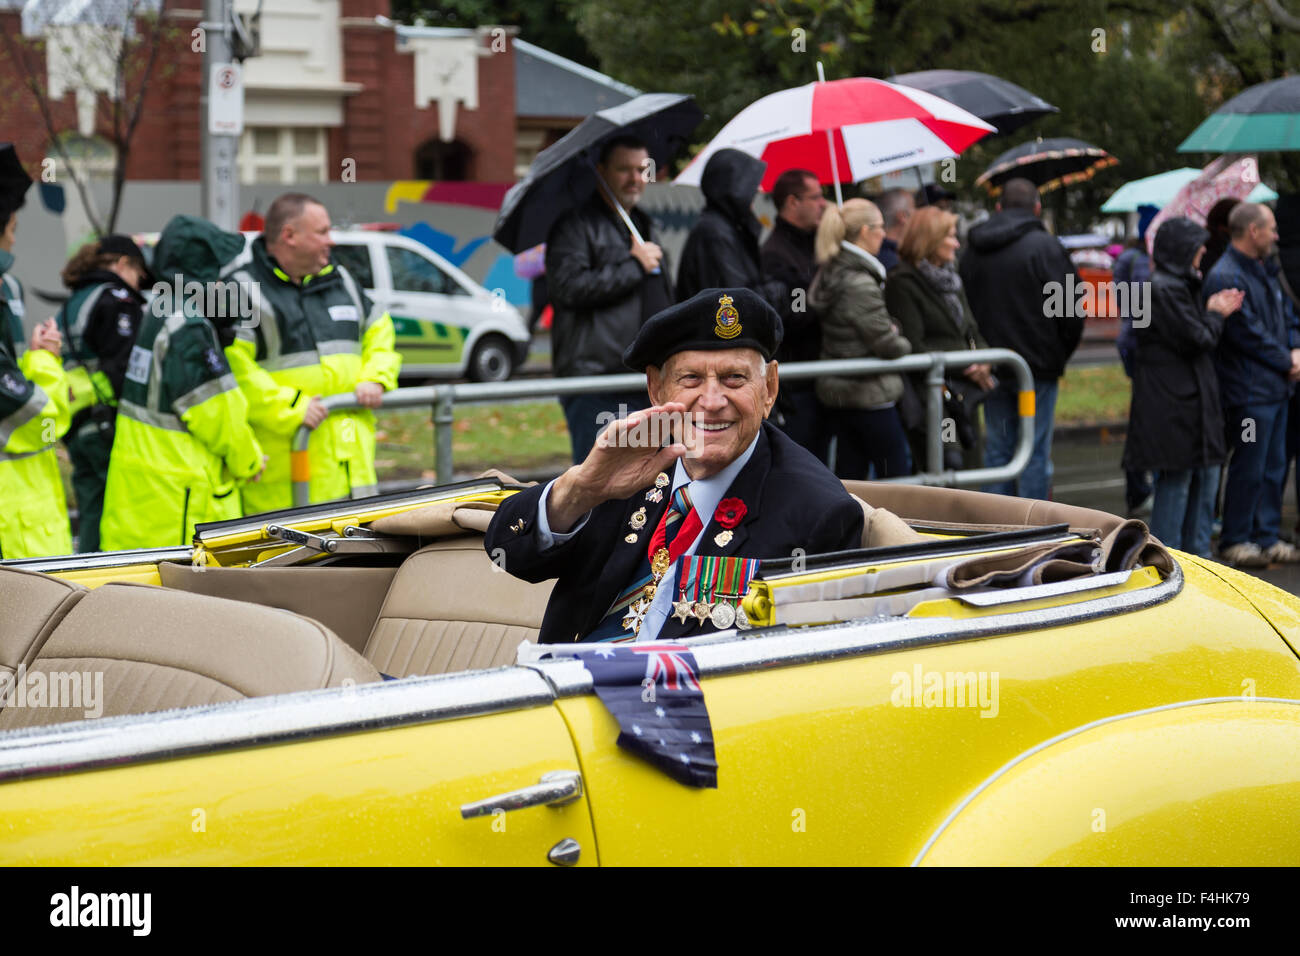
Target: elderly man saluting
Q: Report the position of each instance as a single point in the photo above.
(656, 533)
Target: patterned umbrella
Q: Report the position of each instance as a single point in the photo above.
(1222, 179)
(1263, 118)
(844, 131)
(1159, 191)
(1047, 163)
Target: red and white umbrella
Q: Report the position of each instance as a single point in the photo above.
(874, 127)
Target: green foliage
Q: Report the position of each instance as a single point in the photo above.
(544, 22)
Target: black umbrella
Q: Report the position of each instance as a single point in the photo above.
(991, 98)
(563, 175)
(1047, 163)
(14, 180)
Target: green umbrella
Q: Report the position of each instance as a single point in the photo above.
(1263, 118)
(1160, 189)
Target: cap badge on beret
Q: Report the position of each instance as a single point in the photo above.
(728, 317)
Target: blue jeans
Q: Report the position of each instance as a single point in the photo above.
(587, 416)
(1184, 508)
(1002, 421)
(1252, 497)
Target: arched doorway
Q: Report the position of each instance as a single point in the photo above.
(435, 159)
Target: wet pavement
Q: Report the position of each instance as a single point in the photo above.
(1087, 473)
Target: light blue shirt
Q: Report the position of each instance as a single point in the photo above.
(705, 493)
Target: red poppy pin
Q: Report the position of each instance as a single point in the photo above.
(730, 512)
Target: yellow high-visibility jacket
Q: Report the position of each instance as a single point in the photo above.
(183, 444)
(33, 416)
(319, 338)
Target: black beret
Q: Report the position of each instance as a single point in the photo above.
(709, 320)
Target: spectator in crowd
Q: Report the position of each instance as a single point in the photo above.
(848, 294)
(1175, 420)
(1216, 221)
(896, 206)
(722, 250)
(1133, 266)
(1258, 361)
(925, 296)
(603, 284)
(1010, 269)
(787, 256)
(1288, 253)
(99, 324)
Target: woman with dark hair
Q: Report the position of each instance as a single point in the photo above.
(99, 324)
(1216, 223)
(1175, 419)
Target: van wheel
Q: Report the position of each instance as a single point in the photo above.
(492, 360)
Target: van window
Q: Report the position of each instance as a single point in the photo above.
(412, 272)
(356, 259)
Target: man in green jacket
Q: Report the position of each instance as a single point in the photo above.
(313, 332)
(33, 413)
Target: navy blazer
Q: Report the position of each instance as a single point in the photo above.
(791, 499)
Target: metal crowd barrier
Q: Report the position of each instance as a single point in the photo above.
(443, 400)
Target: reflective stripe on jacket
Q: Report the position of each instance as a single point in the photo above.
(183, 442)
(322, 337)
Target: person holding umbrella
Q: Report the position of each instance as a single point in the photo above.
(605, 282)
(33, 402)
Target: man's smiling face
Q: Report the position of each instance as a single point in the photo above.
(727, 394)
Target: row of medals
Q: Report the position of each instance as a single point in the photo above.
(723, 614)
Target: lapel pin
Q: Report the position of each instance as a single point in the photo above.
(518, 526)
(722, 538)
(630, 539)
(638, 519)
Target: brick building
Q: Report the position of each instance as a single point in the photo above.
(338, 88)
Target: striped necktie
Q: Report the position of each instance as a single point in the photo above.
(611, 627)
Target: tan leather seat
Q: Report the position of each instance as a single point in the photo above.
(32, 605)
(157, 649)
(451, 609)
(962, 507)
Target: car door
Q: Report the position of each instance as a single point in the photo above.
(372, 774)
(434, 314)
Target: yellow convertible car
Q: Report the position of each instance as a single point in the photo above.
(988, 680)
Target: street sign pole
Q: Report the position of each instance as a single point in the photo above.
(222, 108)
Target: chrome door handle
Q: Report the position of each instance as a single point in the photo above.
(555, 789)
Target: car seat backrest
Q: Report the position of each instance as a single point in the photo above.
(32, 605)
(450, 608)
(152, 648)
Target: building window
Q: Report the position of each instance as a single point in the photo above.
(269, 154)
(446, 161)
(93, 157)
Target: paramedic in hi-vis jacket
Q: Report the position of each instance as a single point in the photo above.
(312, 332)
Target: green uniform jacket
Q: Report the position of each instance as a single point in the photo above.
(183, 442)
(320, 338)
(33, 416)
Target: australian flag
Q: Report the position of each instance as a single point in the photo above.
(653, 691)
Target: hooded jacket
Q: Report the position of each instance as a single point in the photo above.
(99, 324)
(722, 250)
(1010, 258)
(848, 294)
(1175, 420)
(1254, 356)
(183, 443)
